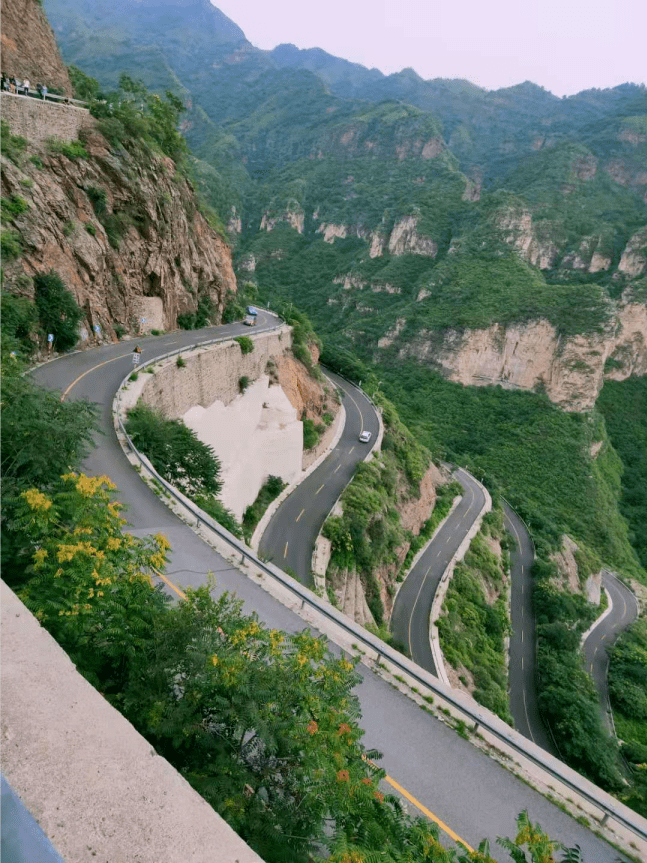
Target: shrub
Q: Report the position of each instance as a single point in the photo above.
(13, 207)
(157, 332)
(19, 320)
(91, 229)
(10, 245)
(98, 199)
(243, 383)
(72, 150)
(246, 344)
(180, 362)
(120, 330)
(36, 160)
(310, 434)
(12, 145)
(58, 311)
(175, 451)
(268, 492)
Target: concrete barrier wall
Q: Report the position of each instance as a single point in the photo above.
(212, 373)
(94, 784)
(38, 120)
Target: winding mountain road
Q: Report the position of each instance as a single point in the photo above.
(410, 621)
(521, 672)
(288, 540)
(471, 794)
(621, 612)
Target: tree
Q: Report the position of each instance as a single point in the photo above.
(58, 311)
(175, 451)
(89, 582)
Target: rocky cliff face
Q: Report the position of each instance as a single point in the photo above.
(533, 356)
(29, 49)
(125, 234)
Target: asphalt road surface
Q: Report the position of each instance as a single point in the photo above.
(464, 788)
(288, 541)
(624, 610)
(412, 610)
(521, 674)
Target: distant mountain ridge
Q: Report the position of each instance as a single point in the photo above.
(398, 211)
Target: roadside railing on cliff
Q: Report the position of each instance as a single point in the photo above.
(479, 717)
(50, 97)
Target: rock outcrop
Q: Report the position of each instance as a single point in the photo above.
(29, 49)
(534, 356)
(125, 234)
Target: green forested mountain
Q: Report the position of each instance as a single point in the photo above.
(405, 214)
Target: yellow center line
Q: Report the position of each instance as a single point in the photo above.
(170, 584)
(285, 550)
(80, 377)
(444, 827)
(320, 487)
(300, 514)
(361, 416)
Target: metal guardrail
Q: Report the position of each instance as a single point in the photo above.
(480, 717)
(51, 97)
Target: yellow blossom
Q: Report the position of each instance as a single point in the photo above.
(301, 659)
(39, 556)
(113, 543)
(214, 659)
(36, 500)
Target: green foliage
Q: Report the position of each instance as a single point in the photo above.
(13, 207)
(243, 383)
(73, 150)
(91, 229)
(175, 451)
(246, 344)
(219, 513)
(32, 418)
(19, 322)
(311, 433)
(10, 245)
(58, 311)
(86, 576)
(269, 491)
(98, 199)
(85, 87)
(180, 362)
(567, 696)
(139, 120)
(535, 453)
(13, 146)
(473, 626)
(201, 317)
(628, 691)
(234, 309)
(624, 406)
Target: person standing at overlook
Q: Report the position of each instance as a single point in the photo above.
(25, 85)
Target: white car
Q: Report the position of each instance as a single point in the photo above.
(365, 436)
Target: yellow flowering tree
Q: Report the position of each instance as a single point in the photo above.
(89, 581)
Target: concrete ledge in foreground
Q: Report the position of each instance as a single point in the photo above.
(93, 783)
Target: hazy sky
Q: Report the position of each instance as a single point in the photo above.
(563, 45)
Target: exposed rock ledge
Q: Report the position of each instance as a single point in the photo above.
(533, 356)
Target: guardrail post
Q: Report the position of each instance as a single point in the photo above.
(605, 818)
(476, 727)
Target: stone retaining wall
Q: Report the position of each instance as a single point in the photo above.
(212, 373)
(37, 120)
